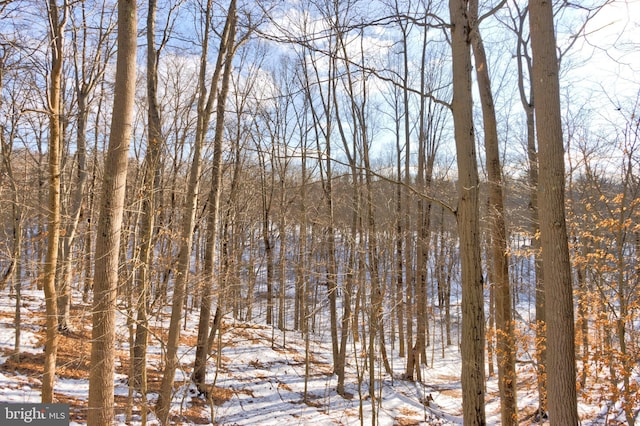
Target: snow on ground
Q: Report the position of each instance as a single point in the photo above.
(258, 376)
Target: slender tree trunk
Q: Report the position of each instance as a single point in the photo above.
(426, 156)
(473, 334)
(562, 397)
(64, 298)
(331, 276)
(202, 348)
(53, 228)
(377, 289)
(340, 363)
(403, 208)
(181, 279)
(268, 248)
(13, 274)
(505, 348)
(532, 172)
(101, 382)
(583, 321)
(149, 188)
(87, 73)
(88, 239)
(541, 317)
(205, 103)
(282, 236)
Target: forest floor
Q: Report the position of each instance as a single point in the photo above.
(258, 376)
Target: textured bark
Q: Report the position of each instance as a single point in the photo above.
(472, 345)
(561, 380)
(53, 227)
(505, 347)
(101, 381)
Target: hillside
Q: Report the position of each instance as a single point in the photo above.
(257, 375)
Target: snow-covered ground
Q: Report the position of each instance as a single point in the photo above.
(259, 376)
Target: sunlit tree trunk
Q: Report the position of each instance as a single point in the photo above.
(403, 144)
(473, 334)
(427, 149)
(323, 131)
(163, 403)
(57, 17)
(266, 194)
(561, 380)
(101, 381)
(90, 209)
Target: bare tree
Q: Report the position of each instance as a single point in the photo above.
(561, 379)
(205, 107)
(506, 353)
(473, 375)
(101, 383)
(8, 135)
(314, 82)
(430, 124)
(202, 348)
(58, 18)
(518, 25)
(149, 188)
(89, 65)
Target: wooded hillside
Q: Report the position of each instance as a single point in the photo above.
(414, 178)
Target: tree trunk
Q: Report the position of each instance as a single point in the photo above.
(472, 346)
(88, 238)
(282, 236)
(64, 296)
(53, 228)
(561, 385)
(532, 175)
(202, 349)
(323, 131)
(184, 257)
(101, 382)
(149, 188)
(505, 348)
(13, 274)
(268, 249)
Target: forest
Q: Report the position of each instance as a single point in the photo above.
(376, 212)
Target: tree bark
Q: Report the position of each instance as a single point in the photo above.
(561, 385)
(473, 334)
(505, 348)
(101, 383)
(53, 228)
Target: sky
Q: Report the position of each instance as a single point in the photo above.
(612, 48)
